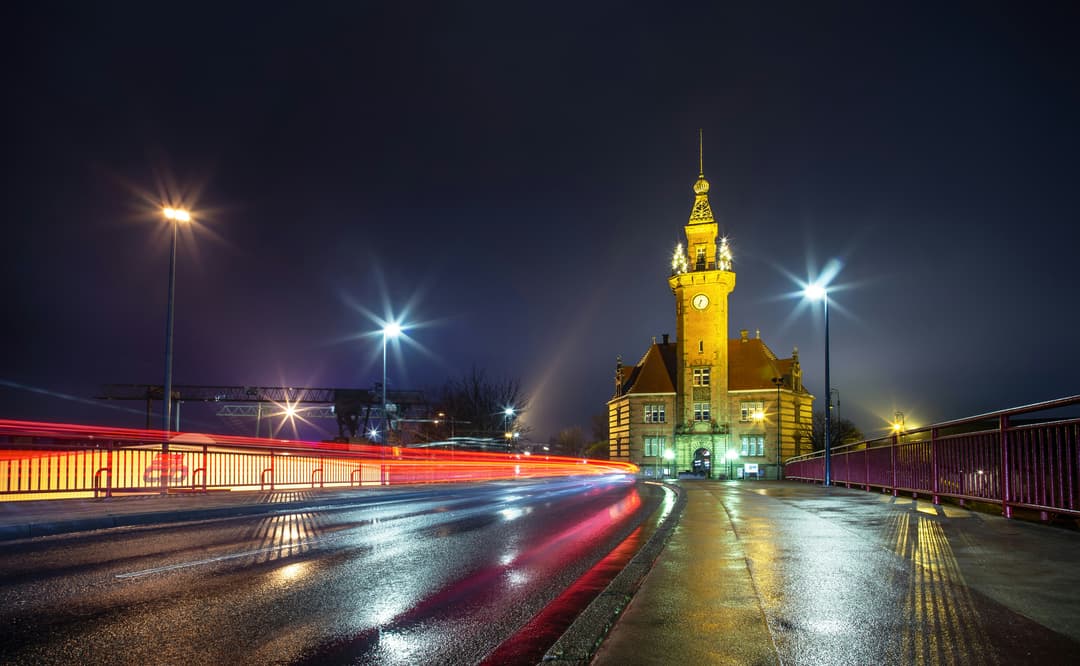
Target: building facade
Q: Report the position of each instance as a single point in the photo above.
(708, 404)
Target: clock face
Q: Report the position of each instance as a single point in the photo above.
(701, 301)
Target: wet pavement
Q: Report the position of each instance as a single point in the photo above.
(773, 573)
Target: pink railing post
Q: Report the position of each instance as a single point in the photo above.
(934, 465)
(1006, 486)
(892, 454)
(866, 465)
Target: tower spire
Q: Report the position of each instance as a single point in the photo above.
(702, 212)
(700, 154)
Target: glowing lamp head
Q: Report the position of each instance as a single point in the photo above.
(290, 411)
(815, 292)
(759, 415)
(732, 454)
(669, 455)
(896, 427)
(509, 411)
(392, 330)
(176, 214)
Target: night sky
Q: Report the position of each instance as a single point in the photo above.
(512, 179)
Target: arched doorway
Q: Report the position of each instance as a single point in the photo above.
(703, 462)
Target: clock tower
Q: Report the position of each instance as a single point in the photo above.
(701, 279)
(707, 404)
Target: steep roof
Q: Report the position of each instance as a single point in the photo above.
(655, 373)
(752, 365)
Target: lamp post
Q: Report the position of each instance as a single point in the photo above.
(836, 410)
(731, 456)
(818, 292)
(779, 381)
(391, 330)
(669, 456)
(175, 216)
(508, 415)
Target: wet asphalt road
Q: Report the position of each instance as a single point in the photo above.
(442, 575)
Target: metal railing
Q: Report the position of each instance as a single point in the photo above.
(45, 460)
(996, 458)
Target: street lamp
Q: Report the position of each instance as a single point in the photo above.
(779, 381)
(174, 216)
(391, 330)
(817, 292)
(508, 415)
(731, 455)
(669, 456)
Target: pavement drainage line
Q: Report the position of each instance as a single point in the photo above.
(221, 558)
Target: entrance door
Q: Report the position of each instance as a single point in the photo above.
(703, 463)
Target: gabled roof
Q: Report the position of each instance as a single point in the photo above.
(655, 373)
(752, 365)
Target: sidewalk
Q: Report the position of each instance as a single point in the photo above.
(771, 573)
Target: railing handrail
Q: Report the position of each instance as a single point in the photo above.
(1013, 411)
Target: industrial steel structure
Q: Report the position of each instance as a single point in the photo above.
(356, 410)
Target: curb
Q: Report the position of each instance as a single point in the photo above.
(582, 639)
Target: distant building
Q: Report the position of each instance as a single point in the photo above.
(694, 404)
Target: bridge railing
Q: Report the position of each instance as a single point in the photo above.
(1016, 458)
(45, 460)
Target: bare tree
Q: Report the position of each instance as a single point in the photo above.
(569, 442)
(841, 431)
(600, 427)
(478, 405)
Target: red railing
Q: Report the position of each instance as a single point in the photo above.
(999, 458)
(47, 460)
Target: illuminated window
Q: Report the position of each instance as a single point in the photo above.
(654, 446)
(701, 411)
(701, 376)
(655, 414)
(753, 445)
(700, 259)
(747, 410)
